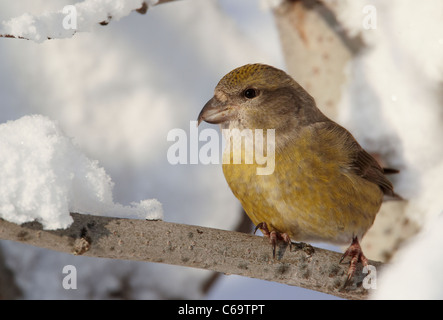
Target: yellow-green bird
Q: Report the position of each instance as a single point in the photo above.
(323, 187)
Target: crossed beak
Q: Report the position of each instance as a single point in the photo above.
(215, 111)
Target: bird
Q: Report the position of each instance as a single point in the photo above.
(324, 187)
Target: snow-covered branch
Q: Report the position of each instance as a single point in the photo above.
(223, 251)
(71, 19)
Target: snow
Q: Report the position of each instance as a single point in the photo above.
(416, 271)
(391, 103)
(45, 177)
(58, 25)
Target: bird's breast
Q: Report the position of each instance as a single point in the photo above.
(308, 195)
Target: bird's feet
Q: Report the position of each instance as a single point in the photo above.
(356, 254)
(273, 236)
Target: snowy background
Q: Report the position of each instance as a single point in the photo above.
(105, 99)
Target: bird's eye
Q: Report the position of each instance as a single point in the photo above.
(250, 93)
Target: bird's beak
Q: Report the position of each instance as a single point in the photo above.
(215, 112)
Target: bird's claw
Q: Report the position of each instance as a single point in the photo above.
(356, 254)
(273, 236)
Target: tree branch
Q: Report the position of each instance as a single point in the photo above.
(223, 251)
(310, 32)
(142, 10)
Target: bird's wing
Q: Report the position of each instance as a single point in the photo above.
(367, 167)
(360, 163)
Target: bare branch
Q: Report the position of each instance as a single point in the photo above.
(223, 251)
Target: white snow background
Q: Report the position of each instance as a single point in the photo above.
(101, 103)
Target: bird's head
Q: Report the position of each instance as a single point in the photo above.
(258, 96)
